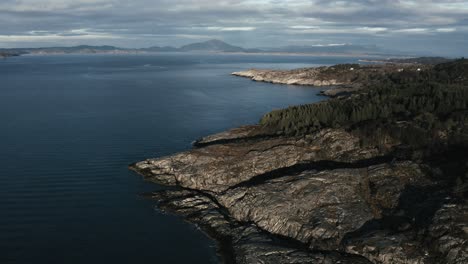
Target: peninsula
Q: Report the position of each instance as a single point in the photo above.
(377, 174)
(344, 78)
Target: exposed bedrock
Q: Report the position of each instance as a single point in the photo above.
(320, 208)
(340, 79)
(244, 243)
(351, 75)
(311, 76)
(216, 168)
(317, 199)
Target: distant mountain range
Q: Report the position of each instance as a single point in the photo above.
(208, 46)
(65, 50)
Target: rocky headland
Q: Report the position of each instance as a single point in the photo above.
(340, 181)
(339, 79)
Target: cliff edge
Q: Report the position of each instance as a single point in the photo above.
(341, 181)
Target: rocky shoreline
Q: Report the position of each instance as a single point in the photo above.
(320, 198)
(339, 79)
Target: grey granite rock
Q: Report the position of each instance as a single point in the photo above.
(310, 76)
(340, 79)
(317, 199)
(320, 208)
(448, 233)
(244, 243)
(232, 135)
(383, 246)
(216, 168)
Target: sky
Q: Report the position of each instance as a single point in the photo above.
(435, 27)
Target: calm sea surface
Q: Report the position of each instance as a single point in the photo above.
(70, 125)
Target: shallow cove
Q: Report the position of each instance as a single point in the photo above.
(71, 125)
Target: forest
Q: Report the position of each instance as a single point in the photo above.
(412, 107)
(418, 115)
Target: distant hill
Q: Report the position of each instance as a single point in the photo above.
(212, 45)
(160, 49)
(207, 46)
(82, 49)
(220, 46)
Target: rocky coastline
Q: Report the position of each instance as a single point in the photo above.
(338, 79)
(323, 197)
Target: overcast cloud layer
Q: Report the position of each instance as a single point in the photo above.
(438, 27)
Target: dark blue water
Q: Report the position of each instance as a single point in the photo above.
(70, 125)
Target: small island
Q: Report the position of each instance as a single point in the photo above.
(8, 54)
(376, 174)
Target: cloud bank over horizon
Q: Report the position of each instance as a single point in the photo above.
(436, 27)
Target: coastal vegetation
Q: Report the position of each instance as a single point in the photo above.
(432, 99)
(416, 114)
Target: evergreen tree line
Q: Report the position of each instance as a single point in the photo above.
(402, 96)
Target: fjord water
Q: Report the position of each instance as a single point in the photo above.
(70, 125)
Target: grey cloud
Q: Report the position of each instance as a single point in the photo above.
(442, 24)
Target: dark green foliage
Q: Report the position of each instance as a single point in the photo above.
(425, 98)
(416, 115)
(387, 102)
